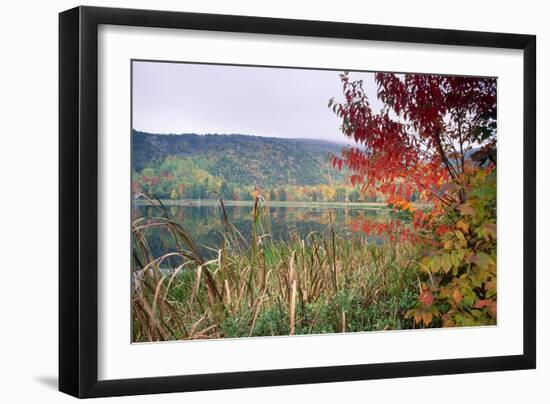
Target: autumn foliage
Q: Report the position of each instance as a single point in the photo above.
(433, 140)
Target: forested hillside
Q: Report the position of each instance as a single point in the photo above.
(236, 167)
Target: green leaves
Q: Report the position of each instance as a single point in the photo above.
(487, 231)
(446, 262)
(462, 271)
(483, 261)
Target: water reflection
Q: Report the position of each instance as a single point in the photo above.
(206, 223)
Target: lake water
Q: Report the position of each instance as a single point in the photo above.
(205, 223)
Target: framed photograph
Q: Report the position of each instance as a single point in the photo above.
(251, 201)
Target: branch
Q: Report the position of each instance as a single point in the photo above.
(448, 165)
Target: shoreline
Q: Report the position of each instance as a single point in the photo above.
(294, 204)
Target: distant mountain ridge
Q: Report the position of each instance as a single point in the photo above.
(243, 160)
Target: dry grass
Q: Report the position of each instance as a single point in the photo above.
(321, 283)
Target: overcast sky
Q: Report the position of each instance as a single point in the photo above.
(198, 98)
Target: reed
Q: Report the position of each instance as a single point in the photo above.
(322, 283)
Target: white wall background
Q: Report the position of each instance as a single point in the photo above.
(28, 199)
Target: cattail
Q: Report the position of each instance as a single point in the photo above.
(292, 306)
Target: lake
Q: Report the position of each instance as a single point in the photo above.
(205, 222)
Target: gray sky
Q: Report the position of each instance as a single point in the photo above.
(184, 98)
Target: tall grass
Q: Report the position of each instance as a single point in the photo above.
(321, 283)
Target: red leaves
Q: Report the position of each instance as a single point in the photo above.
(426, 297)
(155, 180)
(393, 230)
(414, 148)
(489, 303)
(442, 229)
(401, 141)
(336, 162)
(356, 179)
(418, 219)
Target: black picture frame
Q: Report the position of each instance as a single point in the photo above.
(78, 201)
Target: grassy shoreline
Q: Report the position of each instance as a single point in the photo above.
(323, 283)
(215, 202)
